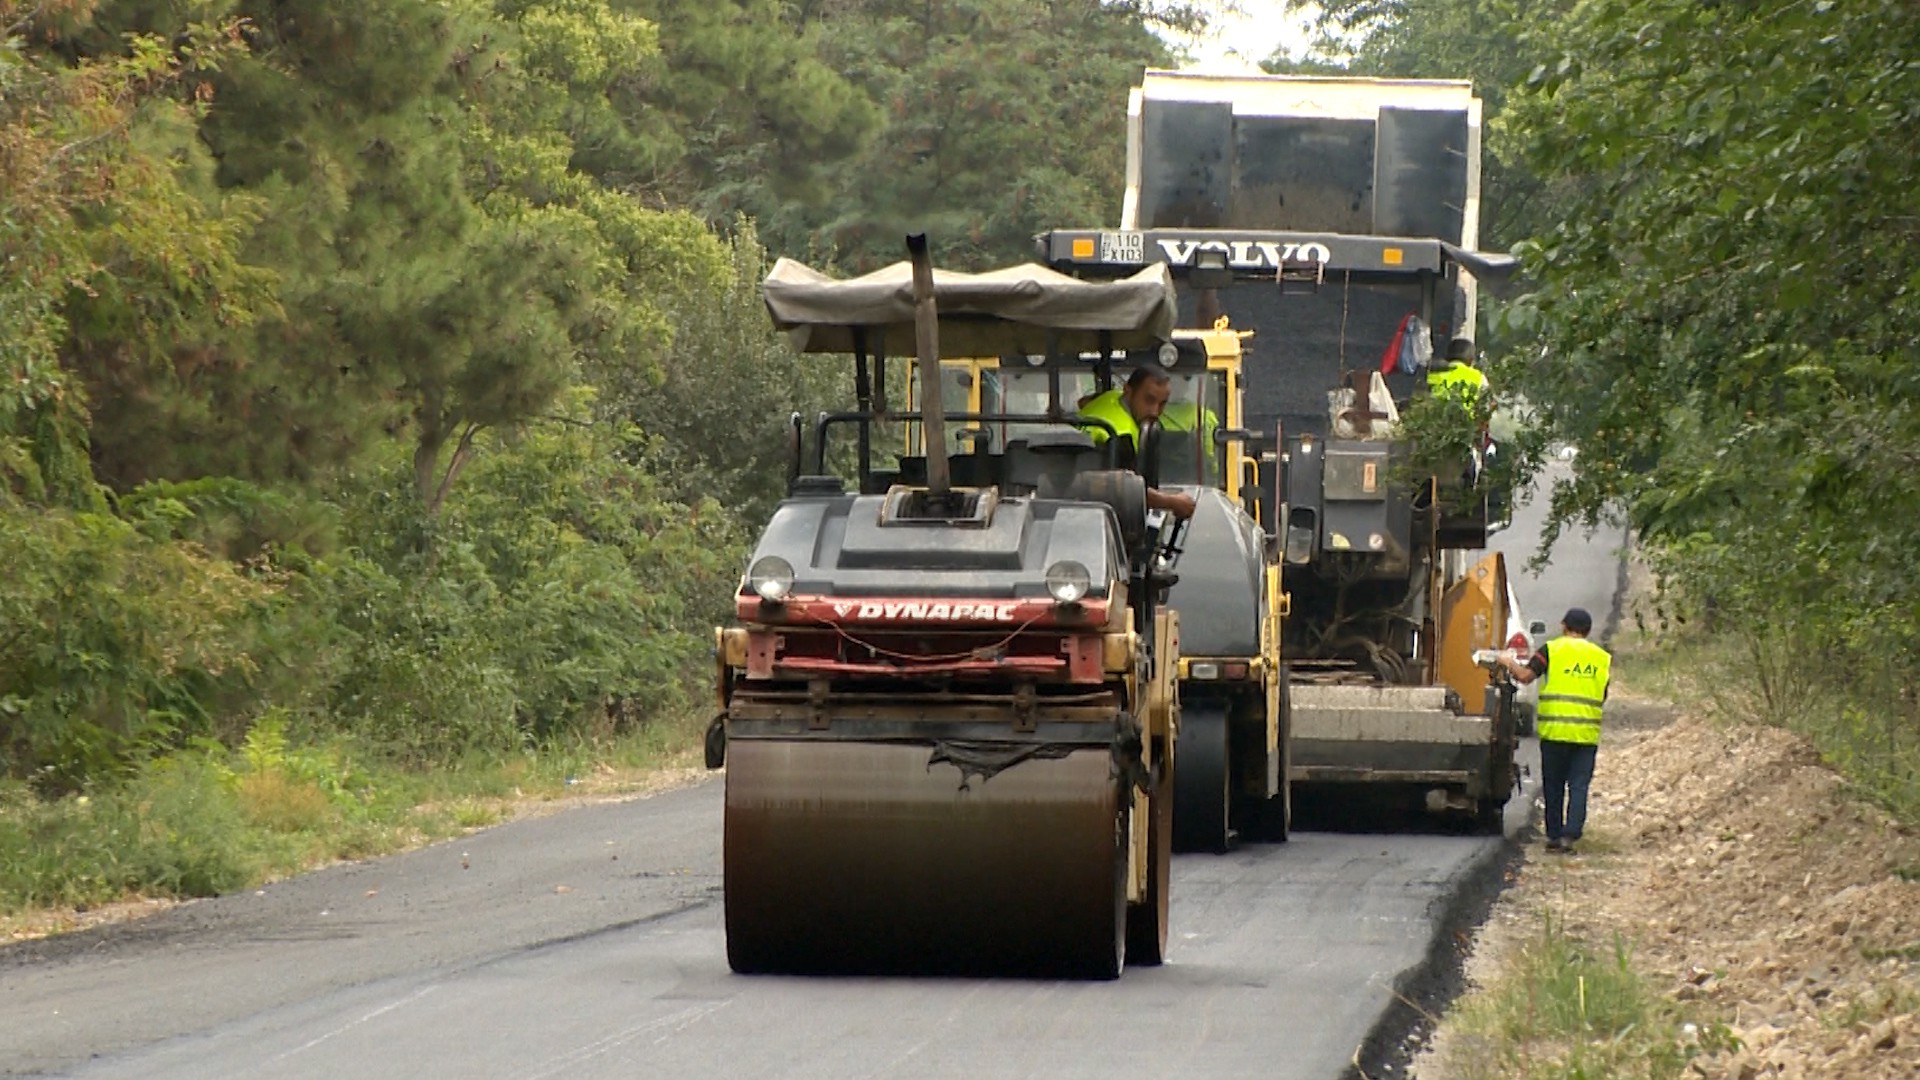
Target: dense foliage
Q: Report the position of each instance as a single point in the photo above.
(395, 372)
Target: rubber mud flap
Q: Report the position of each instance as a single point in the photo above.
(1202, 789)
(864, 858)
(716, 742)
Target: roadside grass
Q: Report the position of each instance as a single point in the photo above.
(211, 820)
(1884, 1002)
(1568, 1009)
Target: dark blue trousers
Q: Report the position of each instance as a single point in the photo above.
(1566, 772)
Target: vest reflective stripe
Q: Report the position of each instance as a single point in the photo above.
(1573, 698)
(1110, 408)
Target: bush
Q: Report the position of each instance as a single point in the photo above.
(1788, 641)
(175, 828)
(557, 582)
(418, 677)
(115, 644)
(717, 417)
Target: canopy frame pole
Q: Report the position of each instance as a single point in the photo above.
(863, 393)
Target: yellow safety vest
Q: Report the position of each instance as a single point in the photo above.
(1107, 406)
(1463, 382)
(1573, 696)
(1178, 420)
(1178, 416)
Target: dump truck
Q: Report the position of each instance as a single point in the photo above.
(948, 707)
(1234, 775)
(1338, 219)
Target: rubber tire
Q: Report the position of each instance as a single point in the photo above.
(1147, 920)
(1202, 792)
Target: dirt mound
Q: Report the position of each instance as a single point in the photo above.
(1751, 884)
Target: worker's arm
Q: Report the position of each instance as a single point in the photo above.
(1524, 673)
(1173, 502)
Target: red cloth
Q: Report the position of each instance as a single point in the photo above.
(1391, 359)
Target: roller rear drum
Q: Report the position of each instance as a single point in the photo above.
(849, 858)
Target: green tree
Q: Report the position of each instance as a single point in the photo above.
(412, 302)
(745, 105)
(717, 418)
(1004, 118)
(1729, 269)
(114, 262)
(454, 320)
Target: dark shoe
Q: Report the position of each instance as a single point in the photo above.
(1559, 846)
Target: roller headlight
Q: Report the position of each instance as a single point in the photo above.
(771, 577)
(1068, 581)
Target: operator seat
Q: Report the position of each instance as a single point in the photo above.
(1044, 463)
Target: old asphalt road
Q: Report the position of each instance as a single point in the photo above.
(589, 944)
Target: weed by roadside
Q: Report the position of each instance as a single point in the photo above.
(208, 820)
(1563, 1006)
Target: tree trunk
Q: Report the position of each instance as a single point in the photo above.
(426, 468)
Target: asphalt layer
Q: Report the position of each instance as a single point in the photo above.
(590, 943)
(1284, 958)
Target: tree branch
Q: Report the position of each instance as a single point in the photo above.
(462, 453)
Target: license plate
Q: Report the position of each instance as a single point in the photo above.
(1122, 247)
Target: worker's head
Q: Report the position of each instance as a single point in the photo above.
(1577, 621)
(1461, 350)
(1146, 393)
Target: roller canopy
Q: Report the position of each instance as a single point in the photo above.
(1028, 310)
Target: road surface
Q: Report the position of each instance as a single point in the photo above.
(1587, 567)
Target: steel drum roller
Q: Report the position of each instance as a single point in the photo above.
(846, 857)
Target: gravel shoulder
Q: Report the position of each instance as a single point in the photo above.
(1752, 886)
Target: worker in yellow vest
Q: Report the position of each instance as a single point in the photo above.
(1456, 376)
(1577, 674)
(1180, 419)
(1124, 410)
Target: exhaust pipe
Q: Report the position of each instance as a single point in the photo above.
(926, 335)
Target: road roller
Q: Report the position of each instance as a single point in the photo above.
(1234, 725)
(947, 702)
